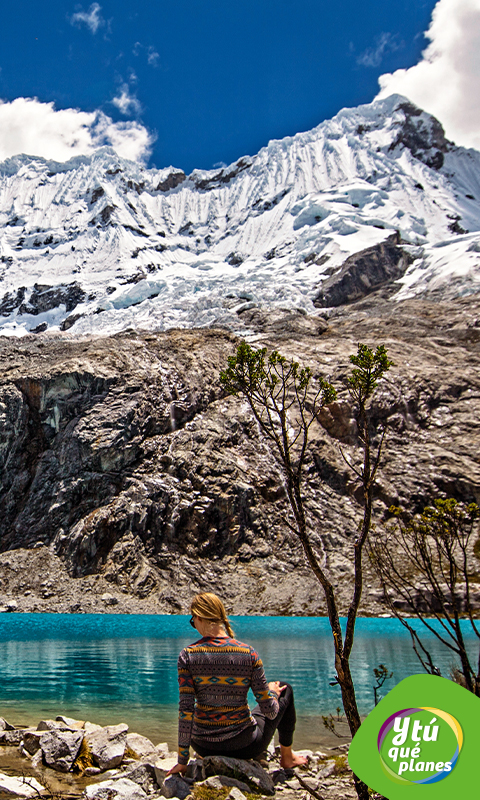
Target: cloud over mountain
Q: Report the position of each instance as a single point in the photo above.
(446, 82)
(39, 129)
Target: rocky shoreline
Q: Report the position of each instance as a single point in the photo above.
(71, 758)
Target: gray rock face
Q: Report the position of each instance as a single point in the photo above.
(248, 772)
(364, 273)
(44, 298)
(124, 469)
(60, 748)
(426, 142)
(107, 745)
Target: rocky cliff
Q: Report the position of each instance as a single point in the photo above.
(129, 481)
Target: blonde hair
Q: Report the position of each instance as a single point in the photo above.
(209, 607)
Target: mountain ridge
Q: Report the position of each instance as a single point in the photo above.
(99, 244)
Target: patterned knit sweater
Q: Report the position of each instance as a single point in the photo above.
(214, 676)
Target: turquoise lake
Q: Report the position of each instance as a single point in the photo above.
(122, 668)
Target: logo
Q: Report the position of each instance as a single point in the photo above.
(419, 745)
(420, 741)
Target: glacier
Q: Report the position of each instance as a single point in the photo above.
(100, 244)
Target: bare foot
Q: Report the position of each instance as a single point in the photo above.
(291, 760)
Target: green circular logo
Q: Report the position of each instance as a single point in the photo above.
(419, 745)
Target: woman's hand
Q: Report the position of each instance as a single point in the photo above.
(182, 768)
(275, 687)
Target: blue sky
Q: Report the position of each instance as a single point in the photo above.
(209, 81)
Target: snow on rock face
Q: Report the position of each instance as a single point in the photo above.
(98, 244)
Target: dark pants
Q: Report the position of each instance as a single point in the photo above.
(249, 744)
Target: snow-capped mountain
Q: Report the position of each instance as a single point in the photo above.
(99, 244)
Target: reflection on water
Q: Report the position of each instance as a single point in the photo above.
(113, 668)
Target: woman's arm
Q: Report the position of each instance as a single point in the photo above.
(266, 699)
(185, 708)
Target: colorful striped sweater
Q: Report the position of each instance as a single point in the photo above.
(214, 676)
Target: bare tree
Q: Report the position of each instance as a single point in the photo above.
(285, 401)
(424, 565)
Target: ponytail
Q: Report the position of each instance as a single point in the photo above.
(208, 606)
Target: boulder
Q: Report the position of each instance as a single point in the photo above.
(248, 772)
(144, 775)
(5, 726)
(139, 746)
(121, 789)
(162, 766)
(69, 722)
(175, 786)
(107, 745)
(60, 748)
(91, 727)
(11, 738)
(195, 770)
(53, 724)
(162, 750)
(19, 787)
(31, 741)
(220, 781)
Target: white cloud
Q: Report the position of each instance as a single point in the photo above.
(38, 129)
(125, 102)
(446, 82)
(91, 18)
(153, 57)
(373, 56)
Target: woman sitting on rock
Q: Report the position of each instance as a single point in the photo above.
(214, 676)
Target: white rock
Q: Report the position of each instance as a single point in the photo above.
(70, 722)
(162, 766)
(140, 745)
(37, 759)
(162, 750)
(235, 794)
(107, 745)
(109, 599)
(327, 770)
(51, 725)
(19, 787)
(91, 727)
(121, 789)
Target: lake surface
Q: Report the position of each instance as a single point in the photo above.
(122, 668)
